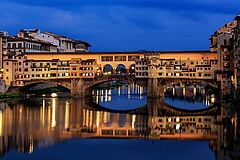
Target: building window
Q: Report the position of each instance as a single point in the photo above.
(107, 58)
(224, 42)
(14, 45)
(6, 63)
(19, 45)
(133, 58)
(120, 58)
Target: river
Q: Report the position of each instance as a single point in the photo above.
(75, 128)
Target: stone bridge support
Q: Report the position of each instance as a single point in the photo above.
(155, 96)
(78, 88)
(155, 89)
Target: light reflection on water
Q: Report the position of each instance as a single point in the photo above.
(37, 125)
(132, 96)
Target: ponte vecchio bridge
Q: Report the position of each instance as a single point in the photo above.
(79, 72)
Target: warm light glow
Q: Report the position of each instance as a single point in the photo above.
(194, 91)
(133, 121)
(66, 125)
(178, 126)
(177, 120)
(98, 119)
(91, 118)
(31, 146)
(212, 99)
(184, 91)
(54, 95)
(53, 120)
(169, 119)
(43, 111)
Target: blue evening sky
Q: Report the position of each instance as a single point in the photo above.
(123, 25)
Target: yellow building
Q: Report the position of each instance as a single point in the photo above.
(188, 64)
(42, 66)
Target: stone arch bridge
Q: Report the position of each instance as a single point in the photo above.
(155, 87)
(78, 86)
(83, 87)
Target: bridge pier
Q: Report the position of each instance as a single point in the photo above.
(155, 89)
(155, 96)
(78, 88)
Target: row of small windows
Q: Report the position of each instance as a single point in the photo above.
(205, 68)
(141, 68)
(175, 74)
(83, 68)
(170, 68)
(27, 45)
(141, 74)
(19, 63)
(82, 74)
(186, 119)
(119, 58)
(61, 75)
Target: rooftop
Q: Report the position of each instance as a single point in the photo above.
(127, 52)
(13, 39)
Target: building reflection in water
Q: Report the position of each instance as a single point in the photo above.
(29, 125)
(190, 93)
(133, 91)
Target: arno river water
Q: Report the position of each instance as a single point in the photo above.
(101, 128)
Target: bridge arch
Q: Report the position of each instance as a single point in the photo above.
(39, 85)
(107, 69)
(121, 69)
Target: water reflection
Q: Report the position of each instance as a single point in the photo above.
(29, 125)
(132, 96)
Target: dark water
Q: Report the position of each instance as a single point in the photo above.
(118, 149)
(68, 128)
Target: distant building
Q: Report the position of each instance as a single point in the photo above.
(63, 43)
(20, 45)
(222, 43)
(3, 50)
(236, 58)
